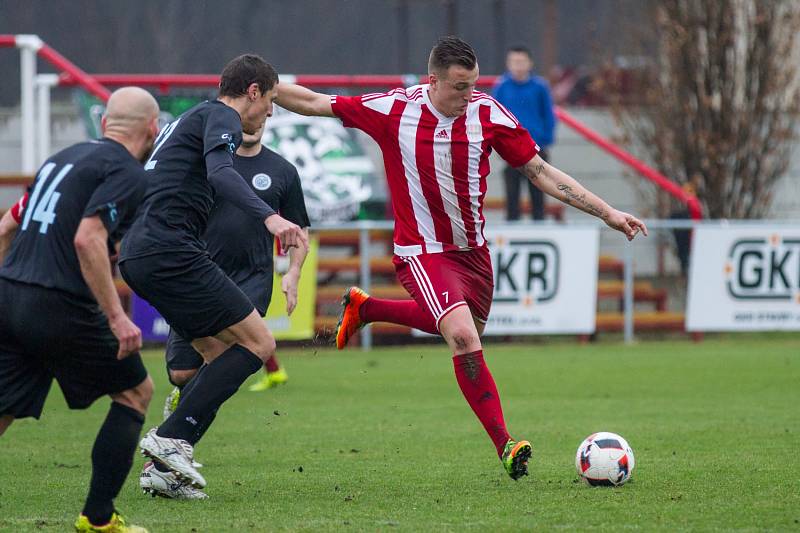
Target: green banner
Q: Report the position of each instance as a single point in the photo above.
(340, 181)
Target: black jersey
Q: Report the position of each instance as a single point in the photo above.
(240, 244)
(89, 178)
(179, 196)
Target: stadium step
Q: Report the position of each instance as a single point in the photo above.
(642, 321)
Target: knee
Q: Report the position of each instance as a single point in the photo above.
(464, 339)
(138, 397)
(264, 347)
(179, 378)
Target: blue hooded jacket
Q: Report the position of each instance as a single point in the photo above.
(532, 104)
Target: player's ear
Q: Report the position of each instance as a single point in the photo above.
(103, 124)
(154, 127)
(433, 80)
(253, 92)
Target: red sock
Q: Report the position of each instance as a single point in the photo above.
(272, 364)
(478, 387)
(405, 312)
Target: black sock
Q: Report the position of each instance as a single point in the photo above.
(112, 458)
(218, 382)
(202, 425)
(187, 387)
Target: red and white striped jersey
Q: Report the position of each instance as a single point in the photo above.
(436, 166)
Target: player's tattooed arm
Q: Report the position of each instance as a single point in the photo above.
(563, 187)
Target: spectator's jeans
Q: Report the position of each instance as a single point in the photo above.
(514, 180)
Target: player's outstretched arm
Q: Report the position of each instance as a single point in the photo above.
(563, 187)
(291, 280)
(304, 101)
(91, 246)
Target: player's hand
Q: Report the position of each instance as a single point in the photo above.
(290, 234)
(289, 287)
(626, 223)
(128, 334)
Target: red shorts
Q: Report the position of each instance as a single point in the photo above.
(441, 282)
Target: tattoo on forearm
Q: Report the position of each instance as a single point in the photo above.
(580, 201)
(532, 173)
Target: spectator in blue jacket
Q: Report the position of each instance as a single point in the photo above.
(528, 98)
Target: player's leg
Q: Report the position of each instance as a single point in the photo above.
(113, 449)
(87, 368)
(537, 200)
(24, 378)
(249, 345)
(461, 328)
(183, 363)
(198, 300)
(359, 308)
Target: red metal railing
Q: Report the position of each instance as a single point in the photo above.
(72, 75)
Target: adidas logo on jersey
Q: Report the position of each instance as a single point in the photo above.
(442, 135)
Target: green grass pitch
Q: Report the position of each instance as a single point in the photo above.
(384, 441)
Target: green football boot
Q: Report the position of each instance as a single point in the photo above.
(515, 458)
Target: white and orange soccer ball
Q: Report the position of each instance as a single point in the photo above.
(604, 459)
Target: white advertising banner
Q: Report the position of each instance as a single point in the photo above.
(744, 278)
(545, 280)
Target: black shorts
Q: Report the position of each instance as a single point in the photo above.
(180, 353)
(46, 334)
(190, 291)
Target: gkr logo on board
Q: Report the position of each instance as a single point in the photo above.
(526, 270)
(764, 269)
(545, 280)
(744, 278)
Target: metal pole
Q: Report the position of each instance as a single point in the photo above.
(364, 254)
(628, 292)
(29, 45)
(44, 84)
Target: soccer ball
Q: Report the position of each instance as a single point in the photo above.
(604, 459)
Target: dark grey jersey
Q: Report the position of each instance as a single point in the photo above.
(89, 178)
(179, 195)
(241, 244)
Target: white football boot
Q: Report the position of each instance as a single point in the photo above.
(167, 485)
(175, 454)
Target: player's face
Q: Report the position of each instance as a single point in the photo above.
(259, 108)
(452, 92)
(251, 139)
(519, 65)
